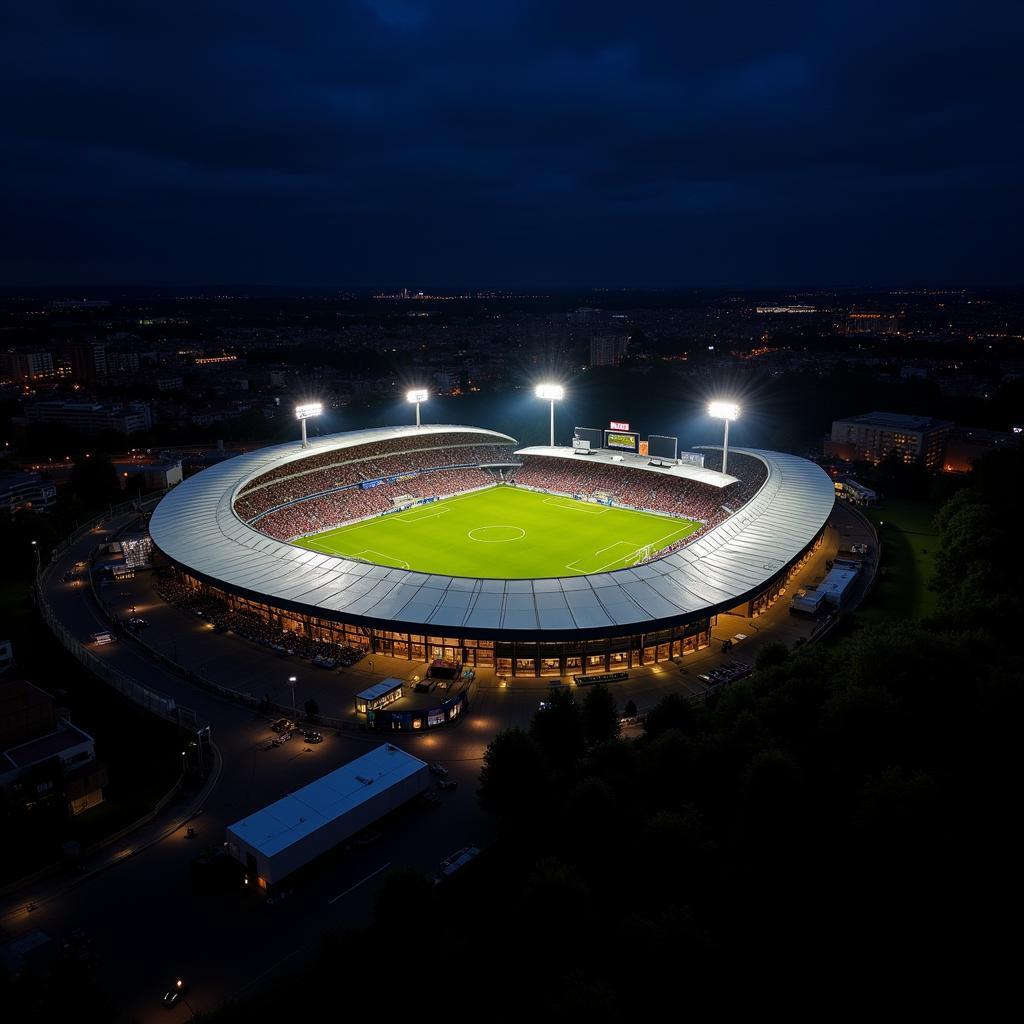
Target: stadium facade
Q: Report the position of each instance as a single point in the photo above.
(553, 626)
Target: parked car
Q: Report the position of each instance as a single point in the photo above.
(174, 993)
(447, 784)
(439, 770)
(283, 725)
(313, 737)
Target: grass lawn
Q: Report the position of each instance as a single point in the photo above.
(504, 533)
(909, 545)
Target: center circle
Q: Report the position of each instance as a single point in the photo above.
(496, 534)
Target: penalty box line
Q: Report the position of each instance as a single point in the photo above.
(633, 548)
(571, 505)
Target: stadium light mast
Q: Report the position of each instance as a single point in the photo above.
(304, 412)
(724, 411)
(416, 396)
(551, 393)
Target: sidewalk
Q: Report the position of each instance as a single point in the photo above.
(14, 912)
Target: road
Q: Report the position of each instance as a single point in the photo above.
(149, 925)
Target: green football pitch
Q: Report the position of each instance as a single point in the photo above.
(505, 533)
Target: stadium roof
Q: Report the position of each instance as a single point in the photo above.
(196, 527)
(711, 477)
(282, 824)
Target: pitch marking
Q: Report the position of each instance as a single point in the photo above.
(575, 506)
(406, 517)
(402, 563)
(501, 540)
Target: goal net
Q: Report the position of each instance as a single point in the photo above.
(642, 554)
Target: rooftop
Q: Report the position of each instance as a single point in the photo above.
(896, 420)
(379, 689)
(53, 744)
(196, 527)
(300, 814)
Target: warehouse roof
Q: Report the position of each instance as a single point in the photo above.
(300, 814)
(196, 527)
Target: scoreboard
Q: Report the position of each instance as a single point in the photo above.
(622, 440)
(662, 447)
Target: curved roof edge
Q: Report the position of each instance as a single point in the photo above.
(196, 528)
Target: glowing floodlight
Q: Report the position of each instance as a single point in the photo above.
(724, 411)
(304, 412)
(551, 393)
(417, 395)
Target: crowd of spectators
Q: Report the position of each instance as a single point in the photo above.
(305, 508)
(645, 490)
(370, 450)
(348, 466)
(224, 619)
(339, 507)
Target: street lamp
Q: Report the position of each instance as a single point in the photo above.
(724, 411)
(551, 393)
(291, 682)
(416, 396)
(304, 412)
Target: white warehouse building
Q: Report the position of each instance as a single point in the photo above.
(298, 828)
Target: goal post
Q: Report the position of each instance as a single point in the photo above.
(642, 554)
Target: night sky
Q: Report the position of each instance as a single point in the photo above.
(394, 142)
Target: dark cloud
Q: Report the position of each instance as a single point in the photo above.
(394, 141)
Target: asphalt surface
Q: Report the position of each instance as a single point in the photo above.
(146, 921)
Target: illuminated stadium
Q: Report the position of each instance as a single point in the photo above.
(452, 542)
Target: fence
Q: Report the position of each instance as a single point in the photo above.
(146, 697)
(153, 701)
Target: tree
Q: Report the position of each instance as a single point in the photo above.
(771, 655)
(630, 709)
(557, 729)
(513, 779)
(94, 482)
(600, 715)
(673, 711)
(312, 709)
(557, 904)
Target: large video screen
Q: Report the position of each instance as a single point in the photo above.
(661, 447)
(621, 440)
(595, 437)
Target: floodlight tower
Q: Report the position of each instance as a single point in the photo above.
(416, 396)
(551, 393)
(724, 411)
(304, 412)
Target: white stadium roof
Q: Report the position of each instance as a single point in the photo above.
(196, 527)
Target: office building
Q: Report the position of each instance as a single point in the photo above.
(608, 349)
(26, 491)
(873, 436)
(92, 417)
(26, 367)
